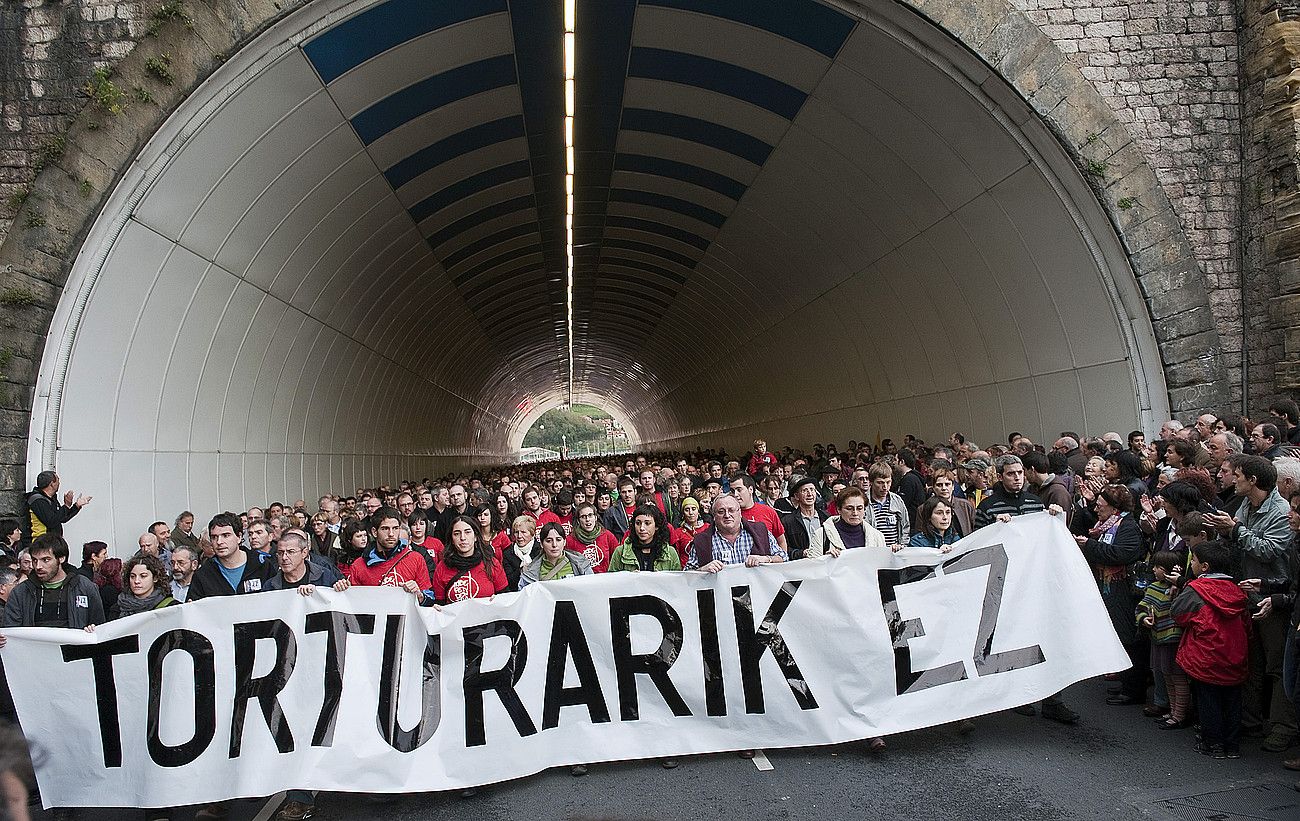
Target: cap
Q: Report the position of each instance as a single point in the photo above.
(800, 482)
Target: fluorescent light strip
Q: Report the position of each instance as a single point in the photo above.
(570, 106)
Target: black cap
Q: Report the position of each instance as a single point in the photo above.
(800, 482)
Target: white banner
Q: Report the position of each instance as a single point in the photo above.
(365, 691)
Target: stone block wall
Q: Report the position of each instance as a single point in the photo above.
(1171, 72)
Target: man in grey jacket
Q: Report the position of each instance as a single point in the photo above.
(1260, 537)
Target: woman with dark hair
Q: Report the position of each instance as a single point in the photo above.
(646, 547)
(355, 542)
(325, 542)
(148, 588)
(1180, 454)
(1177, 499)
(936, 526)
(504, 513)
(555, 562)
(1113, 545)
(92, 555)
(590, 539)
(11, 537)
(108, 578)
(488, 530)
(468, 568)
(1124, 467)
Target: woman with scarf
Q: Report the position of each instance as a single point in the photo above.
(325, 542)
(468, 568)
(1112, 545)
(554, 563)
(523, 548)
(148, 588)
(937, 527)
(590, 539)
(692, 523)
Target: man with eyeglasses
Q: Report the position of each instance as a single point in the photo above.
(295, 570)
(1266, 440)
(731, 540)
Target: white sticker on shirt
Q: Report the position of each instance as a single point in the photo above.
(83, 601)
(253, 585)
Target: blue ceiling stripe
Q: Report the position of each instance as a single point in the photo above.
(504, 235)
(470, 221)
(434, 92)
(672, 232)
(696, 130)
(667, 203)
(481, 181)
(715, 75)
(642, 265)
(693, 174)
(816, 26)
(538, 27)
(652, 249)
(448, 148)
(376, 30)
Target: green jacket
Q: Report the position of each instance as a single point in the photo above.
(624, 559)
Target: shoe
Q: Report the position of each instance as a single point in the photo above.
(1231, 751)
(469, 792)
(669, 763)
(578, 769)
(1170, 724)
(1155, 710)
(1024, 710)
(295, 811)
(965, 726)
(1111, 677)
(1060, 713)
(746, 753)
(876, 745)
(1276, 743)
(1114, 691)
(1292, 764)
(1122, 701)
(213, 811)
(1208, 749)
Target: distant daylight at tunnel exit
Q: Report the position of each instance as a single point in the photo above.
(500, 267)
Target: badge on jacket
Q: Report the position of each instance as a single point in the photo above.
(252, 585)
(83, 601)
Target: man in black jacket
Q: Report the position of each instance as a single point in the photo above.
(44, 514)
(804, 526)
(232, 570)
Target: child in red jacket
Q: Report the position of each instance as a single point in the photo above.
(1215, 617)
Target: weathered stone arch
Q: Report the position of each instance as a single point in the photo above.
(990, 44)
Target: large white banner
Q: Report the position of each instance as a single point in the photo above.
(365, 691)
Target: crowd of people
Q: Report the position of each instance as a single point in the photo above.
(1191, 536)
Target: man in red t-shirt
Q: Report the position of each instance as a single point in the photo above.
(742, 487)
(532, 504)
(389, 563)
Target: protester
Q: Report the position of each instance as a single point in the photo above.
(233, 571)
(468, 569)
(591, 540)
(647, 547)
(1155, 614)
(185, 562)
(43, 512)
(52, 597)
(388, 562)
(1213, 612)
(936, 526)
(294, 571)
(148, 588)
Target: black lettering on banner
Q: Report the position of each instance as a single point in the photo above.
(199, 649)
(902, 630)
(568, 638)
(265, 689)
(987, 662)
(478, 681)
(754, 642)
(715, 695)
(656, 664)
(400, 739)
(336, 626)
(101, 657)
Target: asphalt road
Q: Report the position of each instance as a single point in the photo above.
(1113, 765)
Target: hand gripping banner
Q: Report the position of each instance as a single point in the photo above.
(365, 691)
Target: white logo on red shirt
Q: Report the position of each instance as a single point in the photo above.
(464, 588)
(594, 555)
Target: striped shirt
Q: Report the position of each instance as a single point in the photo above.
(885, 520)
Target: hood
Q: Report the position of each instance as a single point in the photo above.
(373, 558)
(1222, 594)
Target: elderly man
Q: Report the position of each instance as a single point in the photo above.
(1075, 456)
(732, 540)
(150, 545)
(1222, 445)
(803, 527)
(1169, 430)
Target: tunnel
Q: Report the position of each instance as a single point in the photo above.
(356, 252)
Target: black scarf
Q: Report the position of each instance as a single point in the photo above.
(459, 562)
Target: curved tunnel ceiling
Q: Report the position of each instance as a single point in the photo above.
(343, 259)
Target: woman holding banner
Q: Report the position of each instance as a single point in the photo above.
(590, 539)
(148, 588)
(468, 568)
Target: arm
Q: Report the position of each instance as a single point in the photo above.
(1185, 606)
(1126, 549)
(904, 525)
(1268, 540)
(96, 604)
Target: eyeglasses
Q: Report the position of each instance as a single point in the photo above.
(289, 551)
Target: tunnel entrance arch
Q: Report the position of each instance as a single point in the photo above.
(303, 283)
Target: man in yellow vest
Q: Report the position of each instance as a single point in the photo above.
(44, 513)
